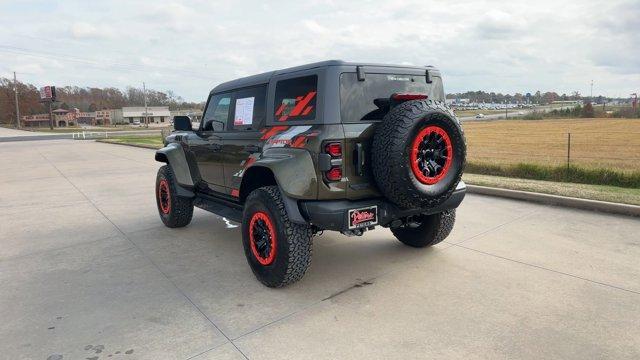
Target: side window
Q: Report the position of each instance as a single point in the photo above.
(296, 98)
(217, 113)
(250, 108)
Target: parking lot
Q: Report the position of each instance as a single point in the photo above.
(87, 270)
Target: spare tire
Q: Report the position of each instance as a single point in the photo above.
(419, 153)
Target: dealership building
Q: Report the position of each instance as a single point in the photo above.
(158, 115)
(154, 114)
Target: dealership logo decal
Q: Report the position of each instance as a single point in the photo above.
(360, 216)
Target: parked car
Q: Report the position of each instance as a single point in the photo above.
(136, 123)
(480, 116)
(326, 146)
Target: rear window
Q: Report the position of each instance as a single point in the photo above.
(296, 98)
(357, 97)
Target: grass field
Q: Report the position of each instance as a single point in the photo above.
(154, 141)
(584, 191)
(595, 143)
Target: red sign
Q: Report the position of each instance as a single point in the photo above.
(48, 93)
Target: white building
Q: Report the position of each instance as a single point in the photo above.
(155, 114)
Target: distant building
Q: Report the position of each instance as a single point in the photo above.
(61, 118)
(155, 114)
(158, 115)
(109, 117)
(86, 118)
(38, 120)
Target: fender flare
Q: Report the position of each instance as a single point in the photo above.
(294, 171)
(174, 156)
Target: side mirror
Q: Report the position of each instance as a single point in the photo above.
(182, 123)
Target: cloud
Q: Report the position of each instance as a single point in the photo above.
(497, 24)
(190, 46)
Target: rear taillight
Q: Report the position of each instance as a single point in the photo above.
(334, 166)
(335, 174)
(407, 97)
(333, 149)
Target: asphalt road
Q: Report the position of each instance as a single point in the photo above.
(87, 271)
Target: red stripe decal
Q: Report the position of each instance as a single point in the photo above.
(283, 118)
(248, 162)
(274, 130)
(280, 109)
(299, 141)
(302, 104)
(307, 110)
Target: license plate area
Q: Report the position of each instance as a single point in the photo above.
(362, 217)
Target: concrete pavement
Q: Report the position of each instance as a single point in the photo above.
(88, 271)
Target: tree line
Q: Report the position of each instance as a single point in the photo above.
(83, 98)
(534, 98)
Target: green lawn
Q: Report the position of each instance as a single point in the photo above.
(584, 191)
(153, 142)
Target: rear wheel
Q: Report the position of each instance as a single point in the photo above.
(277, 250)
(175, 211)
(426, 230)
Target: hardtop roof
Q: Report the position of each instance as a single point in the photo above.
(264, 78)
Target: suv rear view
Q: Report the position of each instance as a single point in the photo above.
(325, 146)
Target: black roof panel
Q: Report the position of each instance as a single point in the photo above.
(265, 77)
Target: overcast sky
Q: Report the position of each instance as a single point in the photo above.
(190, 46)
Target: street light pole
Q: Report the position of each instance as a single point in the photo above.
(15, 90)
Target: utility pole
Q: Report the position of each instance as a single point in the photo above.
(591, 94)
(15, 90)
(50, 115)
(146, 110)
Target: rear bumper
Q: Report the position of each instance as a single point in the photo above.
(333, 214)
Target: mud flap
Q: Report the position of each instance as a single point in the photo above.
(293, 211)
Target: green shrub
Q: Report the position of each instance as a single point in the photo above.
(587, 111)
(534, 115)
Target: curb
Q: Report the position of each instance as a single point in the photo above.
(132, 145)
(557, 200)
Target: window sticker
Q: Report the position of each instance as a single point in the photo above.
(244, 111)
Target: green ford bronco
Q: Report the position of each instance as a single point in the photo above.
(326, 146)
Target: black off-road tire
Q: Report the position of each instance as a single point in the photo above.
(180, 210)
(293, 242)
(432, 230)
(391, 153)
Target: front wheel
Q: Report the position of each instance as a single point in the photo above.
(426, 230)
(277, 250)
(175, 211)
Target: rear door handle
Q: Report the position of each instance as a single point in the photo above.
(252, 149)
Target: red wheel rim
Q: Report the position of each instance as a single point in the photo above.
(164, 199)
(431, 155)
(262, 236)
